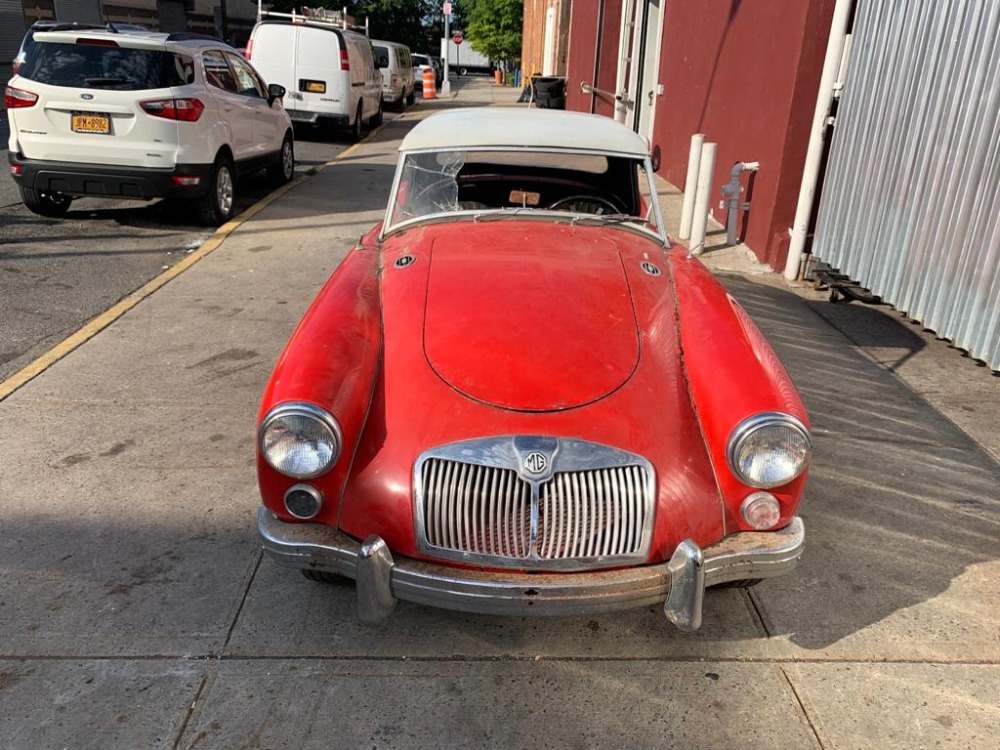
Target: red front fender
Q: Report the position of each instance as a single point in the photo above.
(732, 374)
(331, 360)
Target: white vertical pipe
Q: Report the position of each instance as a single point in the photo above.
(700, 220)
(814, 153)
(624, 51)
(549, 50)
(690, 183)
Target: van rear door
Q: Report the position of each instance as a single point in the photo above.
(272, 53)
(319, 75)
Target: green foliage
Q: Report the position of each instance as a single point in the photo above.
(494, 27)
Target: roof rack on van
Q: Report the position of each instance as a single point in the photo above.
(337, 19)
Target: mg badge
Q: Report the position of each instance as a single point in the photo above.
(86, 97)
(536, 462)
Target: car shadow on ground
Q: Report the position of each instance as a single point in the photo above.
(900, 503)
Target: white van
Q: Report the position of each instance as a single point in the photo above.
(397, 72)
(329, 73)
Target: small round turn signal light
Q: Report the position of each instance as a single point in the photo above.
(303, 501)
(761, 510)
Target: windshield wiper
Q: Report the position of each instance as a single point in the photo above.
(104, 81)
(608, 219)
(500, 213)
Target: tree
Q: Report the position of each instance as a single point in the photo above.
(494, 27)
(415, 23)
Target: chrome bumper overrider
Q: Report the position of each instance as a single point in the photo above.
(679, 584)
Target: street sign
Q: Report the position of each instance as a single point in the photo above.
(458, 38)
(446, 9)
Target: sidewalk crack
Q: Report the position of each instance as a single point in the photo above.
(243, 601)
(813, 726)
(190, 711)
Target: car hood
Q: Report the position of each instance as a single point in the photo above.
(530, 323)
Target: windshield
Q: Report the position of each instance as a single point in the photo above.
(492, 184)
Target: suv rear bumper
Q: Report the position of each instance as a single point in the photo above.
(141, 183)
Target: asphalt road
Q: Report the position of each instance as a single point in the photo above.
(56, 274)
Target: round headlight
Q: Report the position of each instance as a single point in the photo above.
(769, 450)
(300, 440)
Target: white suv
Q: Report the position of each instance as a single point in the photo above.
(140, 116)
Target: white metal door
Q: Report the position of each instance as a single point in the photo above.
(628, 48)
(649, 84)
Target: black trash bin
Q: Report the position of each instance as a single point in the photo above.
(550, 92)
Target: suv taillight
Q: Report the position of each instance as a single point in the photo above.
(345, 61)
(17, 98)
(249, 48)
(185, 110)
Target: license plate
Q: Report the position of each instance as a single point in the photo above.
(91, 122)
(313, 87)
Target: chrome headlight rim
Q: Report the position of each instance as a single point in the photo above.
(751, 425)
(302, 409)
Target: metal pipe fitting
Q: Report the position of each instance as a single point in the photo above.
(731, 192)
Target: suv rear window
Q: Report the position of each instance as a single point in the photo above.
(113, 68)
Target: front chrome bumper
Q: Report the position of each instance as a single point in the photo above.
(678, 584)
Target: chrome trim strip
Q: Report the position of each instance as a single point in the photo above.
(749, 554)
(628, 486)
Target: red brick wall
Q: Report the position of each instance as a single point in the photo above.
(746, 74)
(743, 72)
(533, 36)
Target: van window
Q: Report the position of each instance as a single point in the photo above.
(382, 55)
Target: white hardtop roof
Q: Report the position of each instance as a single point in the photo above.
(520, 127)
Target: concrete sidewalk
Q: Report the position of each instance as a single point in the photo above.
(136, 610)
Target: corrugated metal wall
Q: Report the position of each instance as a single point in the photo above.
(84, 11)
(12, 30)
(911, 201)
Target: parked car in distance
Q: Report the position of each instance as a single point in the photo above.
(329, 72)
(142, 115)
(421, 63)
(28, 42)
(398, 85)
(515, 396)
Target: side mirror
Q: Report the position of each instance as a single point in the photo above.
(383, 62)
(275, 91)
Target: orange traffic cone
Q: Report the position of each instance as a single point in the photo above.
(430, 91)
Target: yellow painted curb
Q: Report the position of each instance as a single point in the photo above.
(109, 316)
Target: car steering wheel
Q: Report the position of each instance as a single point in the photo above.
(585, 204)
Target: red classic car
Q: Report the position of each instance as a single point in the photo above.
(515, 396)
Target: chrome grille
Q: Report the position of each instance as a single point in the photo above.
(479, 509)
(476, 502)
(592, 514)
